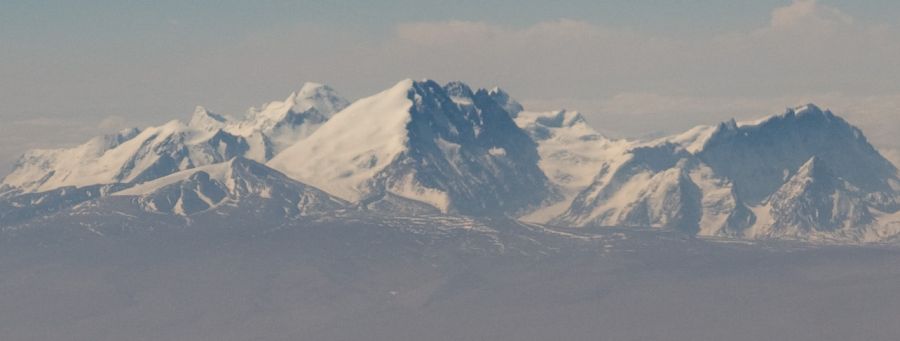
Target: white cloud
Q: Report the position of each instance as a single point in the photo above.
(808, 14)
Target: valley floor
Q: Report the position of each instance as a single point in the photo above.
(355, 282)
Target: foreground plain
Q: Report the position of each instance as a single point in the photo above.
(361, 281)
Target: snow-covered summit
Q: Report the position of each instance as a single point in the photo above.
(354, 146)
(759, 156)
(800, 110)
(801, 173)
(320, 97)
(281, 123)
(204, 119)
(133, 156)
(312, 100)
(447, 146)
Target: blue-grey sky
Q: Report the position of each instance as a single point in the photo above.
(72, 69)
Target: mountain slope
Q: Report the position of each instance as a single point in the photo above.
(658, 186)
(20, 207)
(772, 178)
(760, 156)
(571, 154)
(449, 147)
(128, 157)
(133, 156)
(239, 182)
(425, 149)
(815, 203)
(282, 123)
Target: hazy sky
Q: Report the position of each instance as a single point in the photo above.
(71, 69)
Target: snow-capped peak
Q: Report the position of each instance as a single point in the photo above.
(135, 156)
(815, 200)
(808, 108)
(353, 145)
(277, 125)
(129, 157)
(802, 171)
(441, 145)
(311, 99)
(317, 96)
(757, 155)
(206, 120)
(809, 111)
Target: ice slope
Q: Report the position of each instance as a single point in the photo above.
(449, 147)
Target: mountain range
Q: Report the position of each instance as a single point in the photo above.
(423, 149)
